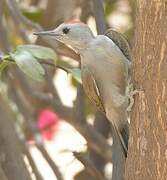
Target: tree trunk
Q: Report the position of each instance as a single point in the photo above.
(147, 156)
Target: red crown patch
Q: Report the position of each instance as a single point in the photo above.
(73, 22)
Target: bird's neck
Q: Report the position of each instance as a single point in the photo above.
(83, 45)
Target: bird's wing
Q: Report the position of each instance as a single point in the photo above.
(120, 41)
(91, 88)
(120, 75)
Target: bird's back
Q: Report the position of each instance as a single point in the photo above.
(110, 69)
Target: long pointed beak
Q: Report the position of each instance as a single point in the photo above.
(46, 33)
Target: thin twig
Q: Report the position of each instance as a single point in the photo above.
(79, 105)
(99, 16)
(37, 137)
(53, 65)
(32, 163)
(4, 39)
(94, 139)
(49, 82)
(13, 6)
(50, 162)
(86, 10)
(89, 166)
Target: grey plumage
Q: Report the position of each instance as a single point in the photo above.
(109, 68)
(120, 41)
(105, 68)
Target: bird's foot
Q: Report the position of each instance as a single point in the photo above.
(131, 92)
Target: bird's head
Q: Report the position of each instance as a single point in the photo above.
(73, 33)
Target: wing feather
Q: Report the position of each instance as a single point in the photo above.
(91, 88)
(120, 41)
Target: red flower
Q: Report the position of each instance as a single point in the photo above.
(47, 123)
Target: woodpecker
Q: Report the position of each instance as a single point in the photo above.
(105, 67)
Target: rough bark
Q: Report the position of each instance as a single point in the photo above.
(147, 156)
(11, 160)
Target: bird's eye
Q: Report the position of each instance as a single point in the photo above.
(66, 30)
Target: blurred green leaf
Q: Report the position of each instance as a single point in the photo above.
(109, 6)
(73, 81)
(28, 64)
(4, 64)
(33, 13)
(38, 51)
(67, 67)
(75, 72)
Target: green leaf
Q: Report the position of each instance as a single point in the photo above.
(4, 64)
(28, 64)
(110, 6)
(38, 51)
(33, 13)
(76, 73)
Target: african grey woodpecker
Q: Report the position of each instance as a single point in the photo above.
(104, 69)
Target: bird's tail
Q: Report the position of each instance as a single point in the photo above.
(123, 135)
(119, 121)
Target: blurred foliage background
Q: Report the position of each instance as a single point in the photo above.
(37, 107)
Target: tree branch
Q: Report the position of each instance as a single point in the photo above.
(31, 161)
(94, 139)
(4, 40)
(37, 137)
(99, 16)
(11, 158)
(50, 162)
(79, 105)
(89, 166)
(2, 174)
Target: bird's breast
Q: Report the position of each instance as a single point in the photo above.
(108, 68)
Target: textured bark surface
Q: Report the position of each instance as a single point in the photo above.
(147, 156)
